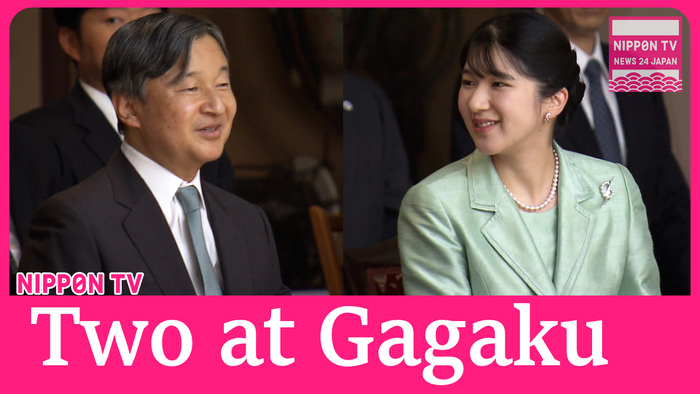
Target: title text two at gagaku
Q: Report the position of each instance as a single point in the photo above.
(440, 353)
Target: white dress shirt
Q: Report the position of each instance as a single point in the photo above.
(582, 59)
(104, 104)
(164, 184)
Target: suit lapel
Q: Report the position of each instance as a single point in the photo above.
(101, 137)
(638, 144)
(575, 224)
(579, 135)
(229, 244)
(506, 230)
(147, 228)
(629, 117)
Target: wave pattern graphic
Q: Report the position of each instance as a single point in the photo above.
(656, 82)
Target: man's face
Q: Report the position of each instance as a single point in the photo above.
(181, 126)
(87, 47)
(579, 21)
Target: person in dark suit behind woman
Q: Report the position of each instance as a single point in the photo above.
(148, 211)
(83, 126)
(644, 139)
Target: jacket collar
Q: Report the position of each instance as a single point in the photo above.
(101, 137)
(508, 235)
(147, 227)
(228, 235)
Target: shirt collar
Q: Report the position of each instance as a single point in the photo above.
(162, 183)
(104, 103)
(582, 58)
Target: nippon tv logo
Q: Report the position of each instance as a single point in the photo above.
(646, 54)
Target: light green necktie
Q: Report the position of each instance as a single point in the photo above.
(189, 198)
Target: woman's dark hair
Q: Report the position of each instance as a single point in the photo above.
(535, 47)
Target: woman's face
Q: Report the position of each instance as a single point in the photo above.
(504, 114)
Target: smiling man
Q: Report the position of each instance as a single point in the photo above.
(83, 125)
(148, 211)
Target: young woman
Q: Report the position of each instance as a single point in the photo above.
(520, 215)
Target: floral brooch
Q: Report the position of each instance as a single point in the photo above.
(606, 191)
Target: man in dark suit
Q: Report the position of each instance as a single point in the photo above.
(37, 171)
(83, 126)
(147, 211)
(646, 149)
(643, 146)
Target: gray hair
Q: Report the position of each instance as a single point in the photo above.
(149, 47)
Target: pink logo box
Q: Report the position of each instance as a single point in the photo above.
(645, 54)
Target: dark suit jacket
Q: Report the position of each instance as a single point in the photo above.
(651, 162)
(375, 165)
(36, 172)
(112, 223)
(85, 140)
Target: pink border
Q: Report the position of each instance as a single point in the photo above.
(651, 343)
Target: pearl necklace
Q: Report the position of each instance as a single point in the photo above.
(552, 190)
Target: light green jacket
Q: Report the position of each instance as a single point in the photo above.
(461, 233)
